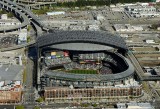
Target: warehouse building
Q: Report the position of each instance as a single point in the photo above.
(142, 11)
(10, 91)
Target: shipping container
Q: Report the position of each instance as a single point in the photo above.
(53, 53)
(53, 57)
(58, 56)
(66, 54)
(49, 57)
(82, 62)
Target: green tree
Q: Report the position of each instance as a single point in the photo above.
(3, 12)
(36, 107)
(19, 107)
(29, 27)
(94, 105)
(40, 99)
(28, 39)
(84, 105)
(10, 14)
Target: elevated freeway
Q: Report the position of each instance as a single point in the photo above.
(18, 13)
(34, 5)
(139, 71)
(17, 46)
(151, 78)
(146, 52)
(141, 44)
(139, 32)
(30, 15)
(147, 55)
(35, 2)
(136, 64)
(26, 17)
(24, 13)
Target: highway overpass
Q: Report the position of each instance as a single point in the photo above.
(28, 13)
(24, 14)
(34, 5)
(17, 46)
(139, 71)
(18, 13)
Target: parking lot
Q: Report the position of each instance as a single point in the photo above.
(8, 41)
(110, 14)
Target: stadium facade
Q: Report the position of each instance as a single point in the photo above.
(84, 65)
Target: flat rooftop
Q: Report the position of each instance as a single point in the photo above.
(10, 72)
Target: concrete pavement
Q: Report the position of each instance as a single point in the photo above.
(29, 91)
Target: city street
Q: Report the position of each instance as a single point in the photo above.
(29, 95)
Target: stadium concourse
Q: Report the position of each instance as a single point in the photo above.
(75, 63)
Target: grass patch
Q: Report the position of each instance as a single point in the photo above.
(42, 10)
(9, 14)
(40, 100)
(19, 107)
(36, 107)
(77, 71)
(29, 27)
(28, 39)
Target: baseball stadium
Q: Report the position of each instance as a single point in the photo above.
(84, 65)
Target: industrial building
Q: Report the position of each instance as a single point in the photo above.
(84, 65)
(55, 13)
(5, 21)
(11, 91)
(22, 37)
(73, 24)
(58, 94)
(142, 11)
(10, 77)
(127, 27)
(9, 22)
(134, 105)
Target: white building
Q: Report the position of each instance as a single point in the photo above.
(71, 24)
(157, 0)
(138, 28)
(77, 27)
(93, 28)
(4, 16)
(22, 38)
(129, 4)
(9, 22)
(142, 10)
(100, 17)
(149, 41)
(127, 27)
(55, 13)
(134, 105)
(144, 4)
(124, 35)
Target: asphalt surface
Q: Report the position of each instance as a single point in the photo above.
(134, 21)
(6, 106)
(8, 41)
(29, 95)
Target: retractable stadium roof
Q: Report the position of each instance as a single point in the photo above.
(64, 38)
